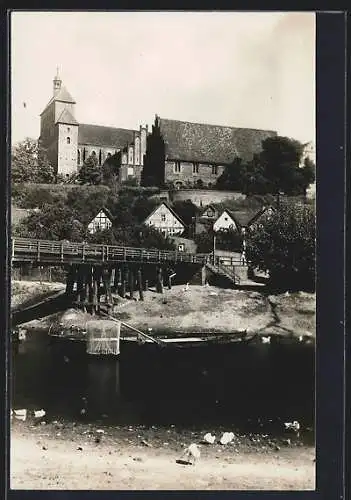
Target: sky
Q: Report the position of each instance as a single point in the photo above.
(240, 69)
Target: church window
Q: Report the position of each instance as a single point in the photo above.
(214, 169)
(100, 157)
(68, 140)
(78, 153)
(84, 153)
(68, 129)
(93, 153)
(177, 167)
(195, 168)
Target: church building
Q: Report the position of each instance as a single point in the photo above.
(69, 143)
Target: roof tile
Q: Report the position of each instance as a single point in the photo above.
(210, 143)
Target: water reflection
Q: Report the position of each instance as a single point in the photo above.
(234, 384)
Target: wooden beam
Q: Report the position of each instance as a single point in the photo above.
(159, 282)
(140, 284)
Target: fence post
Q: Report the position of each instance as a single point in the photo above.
(38, 250)
(61, 251)
(83, 252)
(13, 248)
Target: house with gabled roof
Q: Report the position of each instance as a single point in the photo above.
(102, 220)
(164, 219)
(226, 222)
(260, 217)
(195, 154)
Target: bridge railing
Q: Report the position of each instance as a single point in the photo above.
(63, 251)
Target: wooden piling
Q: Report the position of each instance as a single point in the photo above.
(96, 288)
(131, 283)
(91, 289)
(123, 288)
(116, 280)
(106, 276)
(71, 277)
(146, 285)
(140, 285)
(80, 286)
(159, 282)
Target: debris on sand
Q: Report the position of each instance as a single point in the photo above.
(209, 438)
(20, 414)
(191, 454)
(39, 413)
(227, 437)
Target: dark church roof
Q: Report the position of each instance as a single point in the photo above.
(210, 143)
(104, 136)
(63, 96)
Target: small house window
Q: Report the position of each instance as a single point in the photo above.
(68, 140)
(195, 168)
(181, 247)
(214, 169)
(177, 167)
(163, 217)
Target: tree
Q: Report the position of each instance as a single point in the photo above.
(280, 158)
(89, 172)
(52, 222)
(29, 163)
(284, 245)
(110, 170)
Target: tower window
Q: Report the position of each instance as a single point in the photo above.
(195, 168)
(177, 167)
(68, 140)
(214, 170)
(100, 157)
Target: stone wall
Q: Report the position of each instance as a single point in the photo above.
(203, 197)
(192, 173)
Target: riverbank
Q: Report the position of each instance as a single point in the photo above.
(65, 455)
(193, 309)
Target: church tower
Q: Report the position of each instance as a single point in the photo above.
(59, 129)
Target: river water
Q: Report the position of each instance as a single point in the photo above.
(252, 387)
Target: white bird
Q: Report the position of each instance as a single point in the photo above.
(208, 438)
(20, 414)
(39, 413)
(186, 288)
(227, 437)
(192, 453)
(266, 340)
(301, 338)
(287, 294)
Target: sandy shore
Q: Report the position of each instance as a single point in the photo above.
(198, 309)
(66, 456)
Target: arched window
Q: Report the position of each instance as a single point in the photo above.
(100, 157)
(68, 140)
(78, 155)
(84, 153)
(93, 153)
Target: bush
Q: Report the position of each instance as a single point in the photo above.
(284, 245)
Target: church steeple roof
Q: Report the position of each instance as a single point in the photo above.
(67, 118)
(61, 94)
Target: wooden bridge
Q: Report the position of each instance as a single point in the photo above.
(120, 269)
(65, 252)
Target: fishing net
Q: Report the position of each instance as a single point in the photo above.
(103, 337)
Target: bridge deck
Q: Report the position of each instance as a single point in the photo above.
(64, 252)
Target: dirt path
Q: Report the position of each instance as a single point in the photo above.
(39, 461)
